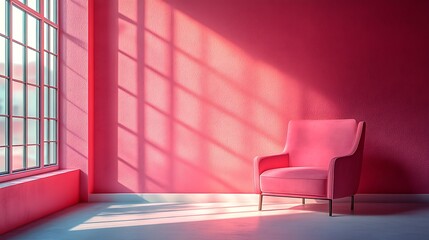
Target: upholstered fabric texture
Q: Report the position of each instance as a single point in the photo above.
(315, 143)
(321, 159)
(308, 181)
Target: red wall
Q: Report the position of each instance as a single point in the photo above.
(27, 199)
(74, 109)
(188, 92)
(30, 198)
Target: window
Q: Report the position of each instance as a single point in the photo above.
(28, 85)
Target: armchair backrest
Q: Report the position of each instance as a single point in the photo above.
(313, 143)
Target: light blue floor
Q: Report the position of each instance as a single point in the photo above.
(231, 221)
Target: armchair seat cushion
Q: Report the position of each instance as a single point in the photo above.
(293, 181)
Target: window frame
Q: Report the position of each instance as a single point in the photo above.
(42, 167)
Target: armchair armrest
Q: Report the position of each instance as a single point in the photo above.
(343, 176)
(264, 163)
(344, 171)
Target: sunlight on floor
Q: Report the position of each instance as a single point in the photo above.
(143, 214)
(233, 220)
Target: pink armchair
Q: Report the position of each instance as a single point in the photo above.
(321, 160)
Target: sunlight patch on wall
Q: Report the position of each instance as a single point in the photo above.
(157, 91)
(222, 93)
(189, 36)
(189, 146)
(127, 95)
(189, 74)
(219, 94)
(127, 110)
(157, 54)
(226, 129)
(227, 164)
(227, 59)
(188, 109)
(128, 8)
(156, 128)
(157, 168)
(158, 18)
(127, 38)
(127, 73)
(197, 102)
(128, 174)
(129, 146)
(220, 109)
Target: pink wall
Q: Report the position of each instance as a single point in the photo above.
(25, 200)
(74, 142)
(188, 92)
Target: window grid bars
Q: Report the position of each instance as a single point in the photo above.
(39, 85)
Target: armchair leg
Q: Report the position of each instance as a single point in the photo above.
(330, 207)
(353, 203)
(260, 202)
(303, 201)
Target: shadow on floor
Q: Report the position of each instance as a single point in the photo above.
(362, 209)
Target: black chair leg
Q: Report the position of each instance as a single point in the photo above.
(330, 207)
(303, 201)
(260, 202)
(353, 203)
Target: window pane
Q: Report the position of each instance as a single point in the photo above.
(18, 62)
(46, 102)
(46, 8)
(46, 68)
(53, 39)
(52, 103)
(20, 96)
(52, 153)
(18, 131)
(34, 4)
(18, 99)
(33, 101)
(52, 70)
(46, 127)
(3, 131)
(46, 37)
(32, 131)
(52, 130)
(46, 154)
(50, 38)
(32, 66)
(32, 156)
(53, 10)
(4, 100)
(4, 56)
(32, 32)
(3, 17)
(3, 160)
(17, 158)
(18, 27)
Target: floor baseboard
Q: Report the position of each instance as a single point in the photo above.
(243, 198)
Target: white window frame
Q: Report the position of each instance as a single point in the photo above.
(46, 143)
